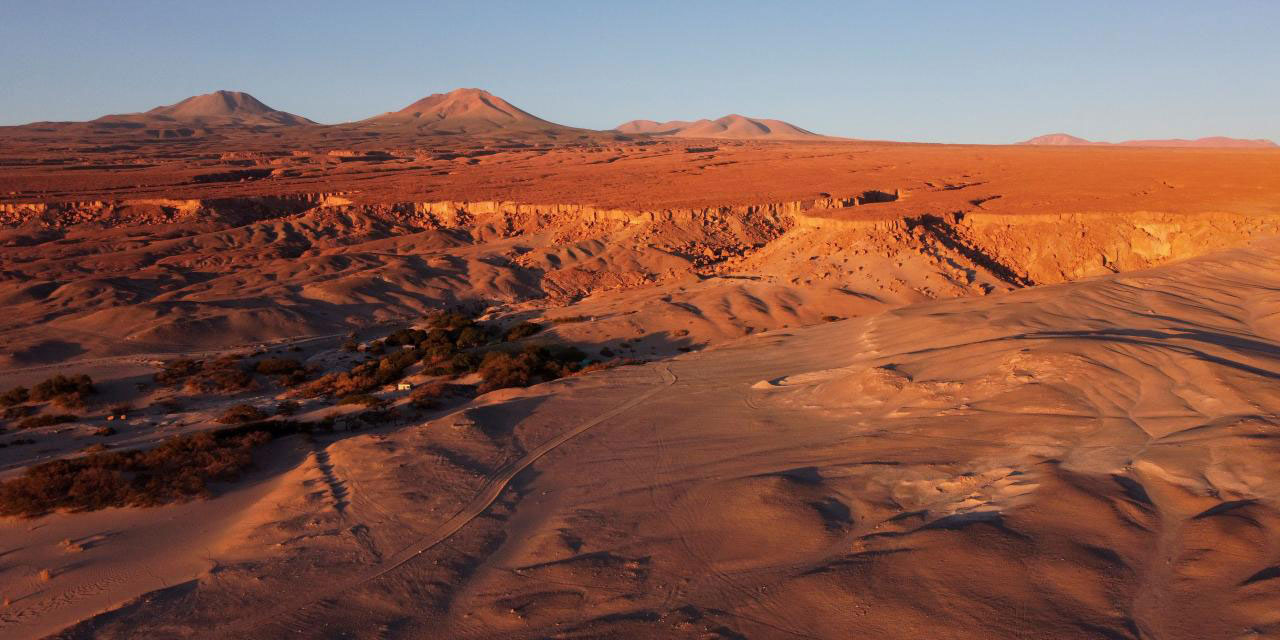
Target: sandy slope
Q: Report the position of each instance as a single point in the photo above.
(1094, 459)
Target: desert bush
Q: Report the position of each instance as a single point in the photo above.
(242, 413)
(178, 370)
(340, 384)
(451, 320)
(536, 363)
(292, 379)
(223, 379)
(376, 417)
(46, 420)
(609, 364)
(437, 353)
(470, 337)
(287, 408)
(17, 412)
(570, 319)
(277, 366)
(178, 469)
(438, 337)
(15, 396)
(500, 370)
(68, 391)
(522, 330)
(456, 365)
(169, 406)
(406, 337)
(362, 399)
(428, 395)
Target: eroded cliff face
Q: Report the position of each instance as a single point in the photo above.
(1019, 249)
(1050, 248)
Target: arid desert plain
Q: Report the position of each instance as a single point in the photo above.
(456, 371)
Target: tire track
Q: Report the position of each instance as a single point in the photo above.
(489, 493)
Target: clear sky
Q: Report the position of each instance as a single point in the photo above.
(955, 71)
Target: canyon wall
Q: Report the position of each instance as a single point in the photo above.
(1024, 249)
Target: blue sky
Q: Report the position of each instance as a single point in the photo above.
(926, 71)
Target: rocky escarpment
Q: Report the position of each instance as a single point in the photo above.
(143, 211)
(1019, 249)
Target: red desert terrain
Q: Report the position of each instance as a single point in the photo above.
(456, 371)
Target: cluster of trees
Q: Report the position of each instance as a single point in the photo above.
(454, 344)
(230, 374)
(65, 391)
(179, 469)
(535, 363)
(224, 375)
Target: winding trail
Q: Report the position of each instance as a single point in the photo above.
(488, 494)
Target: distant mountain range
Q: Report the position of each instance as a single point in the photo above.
(466, 112)
(1063, 139)
(731, 127)
(470, 112)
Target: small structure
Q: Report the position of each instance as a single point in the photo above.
(404, 386)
